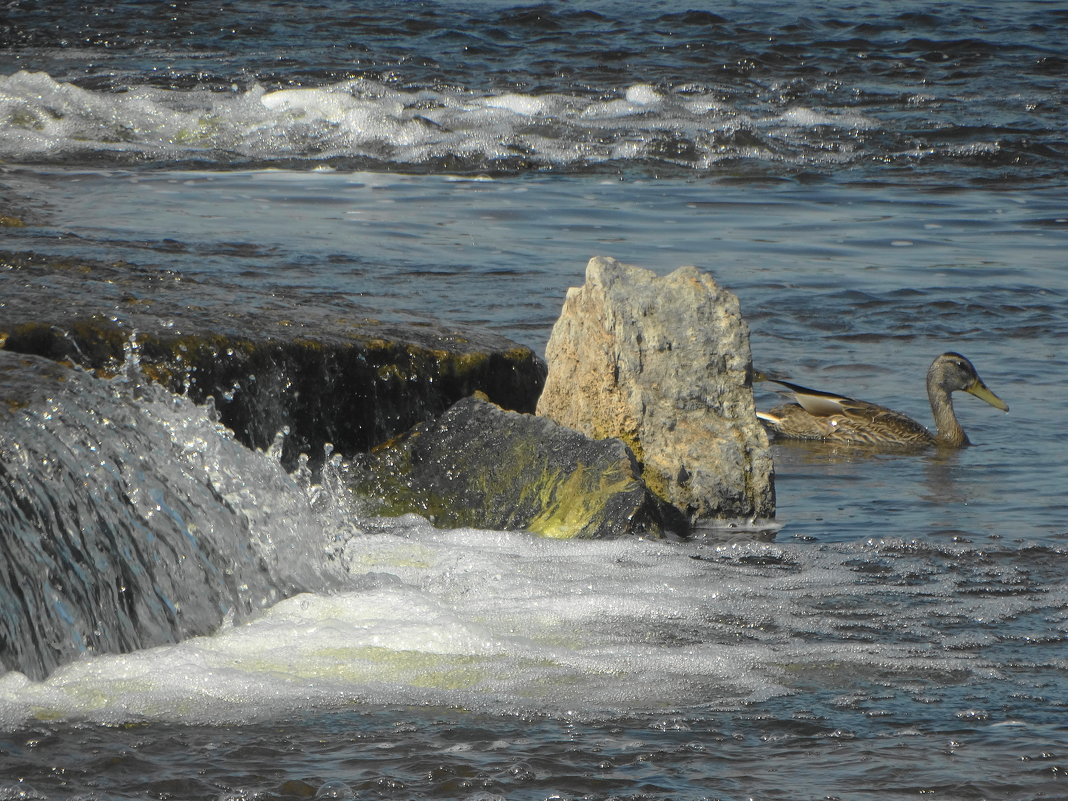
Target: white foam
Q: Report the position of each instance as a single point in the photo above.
(493, 636)
(44, 118)
(505, 621)
(803, 117)
(525, 105)
(642, 94)
(489, 620)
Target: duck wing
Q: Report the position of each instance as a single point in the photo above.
(839, 418)
(817, 402)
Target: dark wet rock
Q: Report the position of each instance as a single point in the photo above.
(664, 364)
(481, 466)
(322, 367)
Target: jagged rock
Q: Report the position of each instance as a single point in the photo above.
(481, 466)
(664, 364)
(326, 370)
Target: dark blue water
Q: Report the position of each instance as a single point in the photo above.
(878, 183)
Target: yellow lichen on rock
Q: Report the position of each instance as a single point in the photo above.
(570, 504)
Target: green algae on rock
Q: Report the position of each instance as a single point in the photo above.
(481, 466)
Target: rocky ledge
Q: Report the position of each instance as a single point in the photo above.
(646, 424)
(324, 369)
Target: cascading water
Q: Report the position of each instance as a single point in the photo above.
(129, 518)
(132, 519)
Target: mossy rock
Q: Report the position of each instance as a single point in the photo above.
(481, 466)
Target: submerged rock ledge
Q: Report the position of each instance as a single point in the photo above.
(323, 368)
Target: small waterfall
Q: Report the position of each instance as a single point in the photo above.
(129, 518)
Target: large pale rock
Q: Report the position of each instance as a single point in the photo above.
(664, 364)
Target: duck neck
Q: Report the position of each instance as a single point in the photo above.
(949, 430)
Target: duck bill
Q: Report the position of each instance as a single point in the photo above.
(978, 388)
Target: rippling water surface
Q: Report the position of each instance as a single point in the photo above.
(877, 186)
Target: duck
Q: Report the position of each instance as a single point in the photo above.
(831, 418)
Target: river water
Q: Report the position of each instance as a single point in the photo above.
(877, 186)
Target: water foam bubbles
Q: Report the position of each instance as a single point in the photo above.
(378, 124)
(810, 118)
(394, 611)
(642, 94)
(526, 105)
(509, 622)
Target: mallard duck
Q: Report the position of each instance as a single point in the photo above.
(837, 419)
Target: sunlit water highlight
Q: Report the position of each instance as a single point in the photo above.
(860, 265)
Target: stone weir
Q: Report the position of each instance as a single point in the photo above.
(321, 367)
